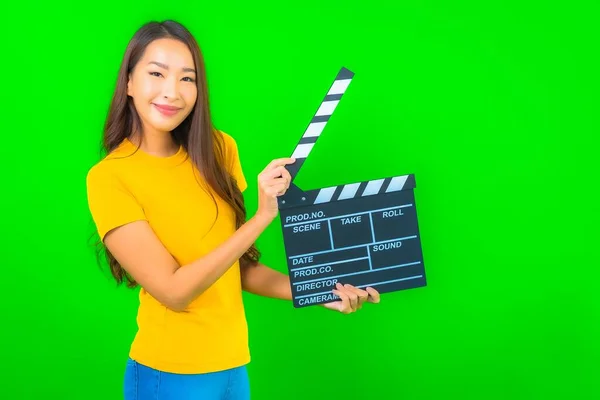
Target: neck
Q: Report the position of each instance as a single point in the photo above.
(160, 144)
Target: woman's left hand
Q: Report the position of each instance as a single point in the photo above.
(352, 298)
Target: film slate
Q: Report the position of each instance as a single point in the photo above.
(362, 233)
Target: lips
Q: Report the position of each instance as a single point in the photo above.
(166, 110)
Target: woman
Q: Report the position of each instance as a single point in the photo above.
(168, 207)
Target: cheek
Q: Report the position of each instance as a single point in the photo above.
(189, 96)
(144, 86)
(148, 89)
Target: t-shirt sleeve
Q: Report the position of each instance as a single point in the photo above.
(110, 203)
(235, 163)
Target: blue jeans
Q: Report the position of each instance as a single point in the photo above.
(145, 383)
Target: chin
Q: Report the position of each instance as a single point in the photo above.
(165, 126)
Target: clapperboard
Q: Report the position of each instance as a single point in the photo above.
(363, 233)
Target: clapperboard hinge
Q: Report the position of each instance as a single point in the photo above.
(295, 196)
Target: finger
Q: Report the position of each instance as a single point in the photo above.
(280, 162)
(277, 173)
(374, 296)
(286, 175)
(344, 306)
(352, 297)
(275, 190)
(275, 182)
(333, 305)
(272, 173)
(363, 295)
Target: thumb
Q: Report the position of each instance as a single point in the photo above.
(334, 305)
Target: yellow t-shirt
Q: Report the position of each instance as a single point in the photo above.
(129, 185)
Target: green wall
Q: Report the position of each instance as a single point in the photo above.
(493, 108)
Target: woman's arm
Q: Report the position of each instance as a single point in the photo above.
(264, 281)
(144, 257)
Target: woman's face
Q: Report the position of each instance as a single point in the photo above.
(163, 85)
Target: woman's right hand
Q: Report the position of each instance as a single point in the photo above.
(273, 182)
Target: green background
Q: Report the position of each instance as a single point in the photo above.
(493, 108)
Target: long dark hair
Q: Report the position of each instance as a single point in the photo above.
(203, 143)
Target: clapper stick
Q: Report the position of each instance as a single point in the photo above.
(320, 119)
(362, 233)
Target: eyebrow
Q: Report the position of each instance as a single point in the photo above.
(165, 66)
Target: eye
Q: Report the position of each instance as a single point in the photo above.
(190, 79)
(155, 74)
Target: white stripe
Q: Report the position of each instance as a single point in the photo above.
(373, 187)
(397, 183)
(314, 129)
(349, 191)
(327, 107)
(339, 86)
(325, 195)
(302, 150)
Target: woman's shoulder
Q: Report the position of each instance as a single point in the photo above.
(114, 159)
(100, 172)
(232, 159)
(108, 166)
(230, 145)
(229, 140)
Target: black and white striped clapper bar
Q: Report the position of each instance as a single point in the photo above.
(363, 233)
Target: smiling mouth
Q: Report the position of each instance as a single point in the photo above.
(166, 110)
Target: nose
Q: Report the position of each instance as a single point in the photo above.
(170, 88)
